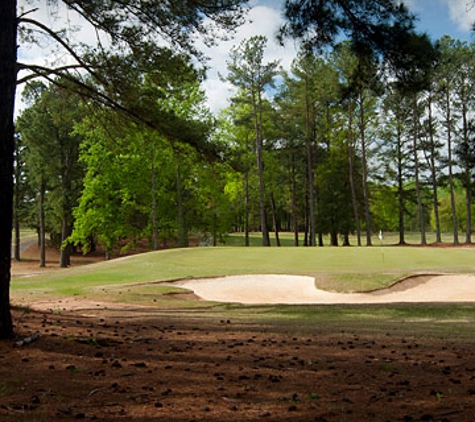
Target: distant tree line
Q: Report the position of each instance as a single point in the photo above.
(342, 144)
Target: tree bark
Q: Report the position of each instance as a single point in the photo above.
(154, 202)
(246, 209)
(295, 219)
(8, 56)
(467, 171)
(364, 164)
(415, 138)
(17, 193)
(275, 220)
(180, 212)
(260, 168)
(451, 166)
(351, 171)
(309, 129)
(400, 189)
(432, 165)
(66, 249)
(41, 228)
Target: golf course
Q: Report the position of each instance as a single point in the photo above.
(133, 339)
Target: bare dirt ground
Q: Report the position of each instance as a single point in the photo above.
(145, 365)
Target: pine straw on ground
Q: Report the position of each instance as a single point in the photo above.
(137, 366)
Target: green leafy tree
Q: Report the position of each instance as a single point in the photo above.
(47, 130)
(247, 71)
(132, 28)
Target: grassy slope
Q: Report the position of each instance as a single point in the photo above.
(334, 268)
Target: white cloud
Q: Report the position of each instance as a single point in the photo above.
(462, 13)
(263, 20)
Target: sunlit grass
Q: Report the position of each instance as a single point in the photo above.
(338, 269)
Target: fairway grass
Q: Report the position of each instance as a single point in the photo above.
(336, 269)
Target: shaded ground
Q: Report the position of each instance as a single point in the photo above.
(131, 366)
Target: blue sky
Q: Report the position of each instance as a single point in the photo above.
(436, 17)
(445, 17)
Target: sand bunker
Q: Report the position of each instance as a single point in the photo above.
(289, 289)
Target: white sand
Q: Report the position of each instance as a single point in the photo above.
(288, 289)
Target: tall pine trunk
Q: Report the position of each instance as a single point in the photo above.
(41, 228)
(153, 182)
(351, 173)
(364, 164)
(433, 171)
(451, 168)
(295, 212)
(257, 104)
(415, 139)
(309, 150)
(246, 209)
(8, 51)
(400, 188)
(17, 202)
(467, 170)
(275, 220)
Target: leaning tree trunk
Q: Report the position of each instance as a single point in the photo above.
(8, 51)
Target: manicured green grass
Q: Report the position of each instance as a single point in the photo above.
(340, 269)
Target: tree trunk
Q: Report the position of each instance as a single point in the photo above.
(295, 219)
(364, 163)
(274, 220)
(309, 151)
(420, 205)
(451, 168)
(468, 175)
(246, 209)
(17, 193)
(8, 49)
(260, 170)
(41, 229)
(351, 173)
(154, 202)
(180, 211)
(400, 189)
(65, 253)
(432, 165)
